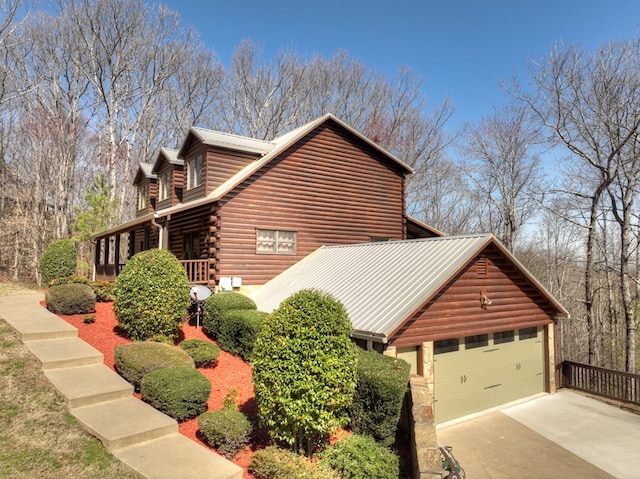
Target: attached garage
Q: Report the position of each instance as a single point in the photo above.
(481, 372)
(462, 311)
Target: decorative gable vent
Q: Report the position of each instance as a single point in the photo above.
(481, 267)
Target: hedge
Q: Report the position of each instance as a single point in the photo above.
(227, 430)
(135, 360)
(58, 260)
(70, 298)
(217, 304)
(238, 330)
(273, 462)
(203, 353)
(180, 392)
(380, 389)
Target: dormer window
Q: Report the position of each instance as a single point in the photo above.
(164, 186)
(143, 196)
(194, 171)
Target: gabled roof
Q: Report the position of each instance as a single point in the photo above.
(225, 140)
(279, 145)
(383, 284)
(169, 155)
(414, 226)
(144, 171)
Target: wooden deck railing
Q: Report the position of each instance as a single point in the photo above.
(197, 270)
(607, 383)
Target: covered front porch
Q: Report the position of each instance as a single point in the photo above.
(191, 238)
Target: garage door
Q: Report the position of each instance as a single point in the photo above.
(481, 372)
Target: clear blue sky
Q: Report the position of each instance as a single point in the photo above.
(461, 48)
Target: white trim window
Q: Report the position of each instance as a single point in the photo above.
(164, 186)
(194, 171)
(275, 242)
(143, 196)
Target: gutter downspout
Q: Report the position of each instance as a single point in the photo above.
(160, 230)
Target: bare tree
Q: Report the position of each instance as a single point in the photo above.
(504, 170)
(588, 103)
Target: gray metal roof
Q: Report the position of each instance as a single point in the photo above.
(380, 284)
(233, 142)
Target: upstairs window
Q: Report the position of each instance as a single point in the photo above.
(194, 171)
(164, 186)
(143, 197)
(275, 242)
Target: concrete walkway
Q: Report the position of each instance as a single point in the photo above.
(134, 432)
(560, 435)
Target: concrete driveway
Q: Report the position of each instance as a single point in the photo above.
(553, 436)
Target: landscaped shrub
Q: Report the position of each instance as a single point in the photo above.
(151, 295)
(58, 260)
(304, 369)
(203, 353)
(179, 392)
(218, 303)
(273, 462)
(238, 330)
(380, 390)
(103, 290)
(227, 430)
(70, 298)
(361, 457)
(135, 360)
(69, 279)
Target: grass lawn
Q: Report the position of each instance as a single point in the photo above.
(38, 437)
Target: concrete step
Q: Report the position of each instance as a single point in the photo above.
(175, 456)
(86, 385)
(124, 422)
(64, 353)
(31, 320)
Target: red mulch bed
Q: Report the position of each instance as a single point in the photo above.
(230, 371)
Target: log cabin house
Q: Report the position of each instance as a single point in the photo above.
(325, 207)
(238, 211)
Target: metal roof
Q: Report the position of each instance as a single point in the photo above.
(232, 142)
(383, 284)
(380, 284)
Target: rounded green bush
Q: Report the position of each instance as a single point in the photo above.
(71, 298)
(135, 360)
(179, 392)
(151, 295)
(304, 369)
(58, 260)
(218, 303)
(273, 462)
(226, 430)
(361, 457)
(69, 279)
(203, 353)
(238, 330)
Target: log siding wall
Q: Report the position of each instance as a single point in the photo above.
(331, 188)
(457, 311)
(223, 164)
(152, 193)
(177, 181)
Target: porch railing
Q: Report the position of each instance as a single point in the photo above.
(607, 383)
(197, 270)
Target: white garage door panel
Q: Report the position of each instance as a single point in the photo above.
(469, 381)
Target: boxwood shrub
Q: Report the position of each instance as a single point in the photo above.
(227, 430)
(70, 298)
(238, 330)
(380, 389)
(203, 353)
(218, 303)
(361, 457)
(180, 392)
(58, 260)
(135, 360)
(273, 462)
(151, 295)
